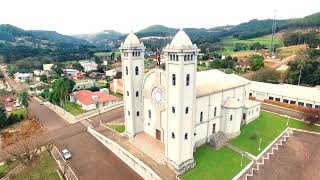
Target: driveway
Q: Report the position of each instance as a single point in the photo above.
(281, 110)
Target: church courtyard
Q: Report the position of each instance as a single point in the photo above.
(225, 163)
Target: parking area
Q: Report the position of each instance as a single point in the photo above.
(91, 159)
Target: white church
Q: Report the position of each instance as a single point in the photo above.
(180, 107)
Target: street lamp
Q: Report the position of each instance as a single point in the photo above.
(287, 120)
(241, 159)
(260, 144)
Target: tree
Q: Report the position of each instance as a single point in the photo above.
(43, 78)
(311, 115)
(78, 66)
(28, 81)
(267, 75)
(256, 62)
(11, 70)
(300, 64)
(57, 70)
(60, 89)
(3, 118)
(24, 99)
(256, 46)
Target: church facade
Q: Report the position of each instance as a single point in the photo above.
(179, 106)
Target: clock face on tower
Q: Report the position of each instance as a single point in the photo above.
(158, 97)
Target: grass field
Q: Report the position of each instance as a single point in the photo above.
(229, 42)
(74, 108)
(268, 126)
(44, 168)
(6, 168)
(290, 50)
(117, 127)
(215, 164)
(105, 54)
(116, 94)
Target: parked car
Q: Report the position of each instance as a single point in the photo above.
(66, 154)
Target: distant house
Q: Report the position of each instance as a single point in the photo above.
(84, 84)
(243, 64)
(89, 100)
(10, 103)
(70, 71)
(47, 67)
(38, 72)
(116, 86)
(97, 76)
(22, 77)
(89, 65)
(113, 72)
(40, 87)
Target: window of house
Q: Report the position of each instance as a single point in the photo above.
(187, 110)
(201, 116)
(293, 102)
(188, 80)
(230, 117)
(171, 57)
(172, 135)
(278, 99)
(137, 70)
(149, 113)
(137, 93)
(127, 93)
(173, 79)
(317, 106)
(300, 103)
(186, 136)
(191, 58)
(177, 58)
(173, 109)
(286, 101)
(185, 57)
(126, 70)
(309, 105)
(250, 94)
(215, 112)
(271, 98)
(138, 113)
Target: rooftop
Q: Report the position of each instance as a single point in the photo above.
(131, 39)
(212, 81)
(88, 97)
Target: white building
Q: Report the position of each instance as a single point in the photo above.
(89, 65)
(47, 67)
(179, 106)
(38, 72)
(22, 77)
(286, 93)
(84, 84)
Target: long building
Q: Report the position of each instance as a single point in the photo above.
(286, 93)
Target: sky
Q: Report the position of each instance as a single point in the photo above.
(90, 16)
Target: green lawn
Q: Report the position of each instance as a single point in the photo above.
(6, 168)
(117, 127)
(74, 108)
(104, 54)
(116, 94)
(44, 168)
(20, 112)
(268, 126)
(215, 164)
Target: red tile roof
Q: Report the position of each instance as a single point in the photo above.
(86, 97)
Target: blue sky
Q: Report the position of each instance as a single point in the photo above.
(89, 16)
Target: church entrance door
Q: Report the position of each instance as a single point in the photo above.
(158, 134)
(213, 128)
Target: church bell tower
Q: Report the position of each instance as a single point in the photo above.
(132, 55)
(181, 69)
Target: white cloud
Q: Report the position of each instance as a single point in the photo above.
(88, 16)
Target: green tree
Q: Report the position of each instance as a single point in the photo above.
(24, 99)
(60, 89)
(11, 70)
(28, 81)
(57, 70)
(267, 75)
(43, 78)
(78, 66)
(256, 62)
(301, 65)
(3, 118)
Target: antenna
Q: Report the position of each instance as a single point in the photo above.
(274, 26)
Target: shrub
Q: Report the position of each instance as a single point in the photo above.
(255, 135)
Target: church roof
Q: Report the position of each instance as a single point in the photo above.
(212, 81)
(181, 41)
(231, 103)
(131, 40)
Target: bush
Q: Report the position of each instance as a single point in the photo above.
(255, 135)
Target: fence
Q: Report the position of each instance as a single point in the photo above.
(134, 163)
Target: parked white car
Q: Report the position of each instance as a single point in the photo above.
(66, 154)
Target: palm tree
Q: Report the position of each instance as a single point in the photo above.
(24, 99)
(300, 66)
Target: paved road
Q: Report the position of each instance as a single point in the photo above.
(91, 159)
(281, 110)
(115, 114)
(13, 84)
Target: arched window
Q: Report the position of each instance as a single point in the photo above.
(186, 136)
(201, 116)
(173, 79)
(191, 58)
(137, 93)
(187, 110)
(174, 57)
(128, 113)
(149, 113)
(188, 80)
(138, 113)
(188, 57)
(126, 70)
(137, 70)
(185, 57)
(177, 58)
(127, 93)
(215, 112)
(173, 109)
(171, 57)
(230, 117)
(172, 135)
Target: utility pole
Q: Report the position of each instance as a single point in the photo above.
(274, 26)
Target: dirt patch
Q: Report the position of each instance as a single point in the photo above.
(297, 159)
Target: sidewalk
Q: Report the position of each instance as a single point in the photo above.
(162, 170)
(70, 175)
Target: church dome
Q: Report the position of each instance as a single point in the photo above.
(181, 39)
(131, 39)
(232, 103)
